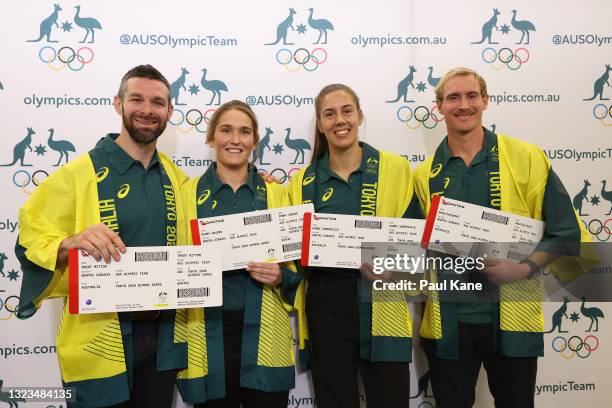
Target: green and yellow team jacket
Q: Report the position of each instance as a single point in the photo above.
(267, 357)
(518, 173)
(90, 347)
(386, 191)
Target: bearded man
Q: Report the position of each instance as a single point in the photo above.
(121, 193)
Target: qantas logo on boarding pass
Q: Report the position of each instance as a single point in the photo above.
(202, 222)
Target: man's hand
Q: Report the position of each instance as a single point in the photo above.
(267, 273)
(98, 240)
(367, 271)
(503, 271)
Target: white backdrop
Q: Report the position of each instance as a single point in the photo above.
(540, 66)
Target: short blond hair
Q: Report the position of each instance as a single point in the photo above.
(460, 71)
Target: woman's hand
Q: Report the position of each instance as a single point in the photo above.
(269, 177)
(267, 273)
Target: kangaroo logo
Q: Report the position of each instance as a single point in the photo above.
(264, 143)
(580, 197)
(299, 145)
(5, 397)
(523, 26)
(494, 153)
(196, 119)
(572, 345)
(557, 317)
(423, 113)
(487, 29)
(598, 86)
(177, 85)
(88, 23)
(402, 86)
(261, 193)
(295, 58)
(283, 28)
(47, 25)
(372, 164)
(512, 59)
(600, 224)
(74, 59)
(60, 146)
(20, 149)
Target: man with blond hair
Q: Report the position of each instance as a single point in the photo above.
(475, 165)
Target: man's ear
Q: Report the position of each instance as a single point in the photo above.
(117, 103)
(170, 111)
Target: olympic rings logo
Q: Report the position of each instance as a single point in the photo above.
(67, 57)
(575, 346)
(421, 115)
(10, 304)
(506, 57)
(281, 174)
(602, 112)
(22, 179)
(304, 59)
(596, 227)
(193, 118)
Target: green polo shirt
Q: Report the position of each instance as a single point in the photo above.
(338, 196)
(141, 221)
(471, 184)
(230, 202)
(334, 195)
(144, 207)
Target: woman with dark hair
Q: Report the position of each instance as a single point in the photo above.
(242, 352)
(347, 335)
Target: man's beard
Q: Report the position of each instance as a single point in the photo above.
(143, 137)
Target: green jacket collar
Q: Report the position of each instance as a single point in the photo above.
(216, 182)
(480, 156)
(325, 172)
(118, 157)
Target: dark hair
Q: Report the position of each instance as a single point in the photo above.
(227, 106)
(320, 142)
(143, 71)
